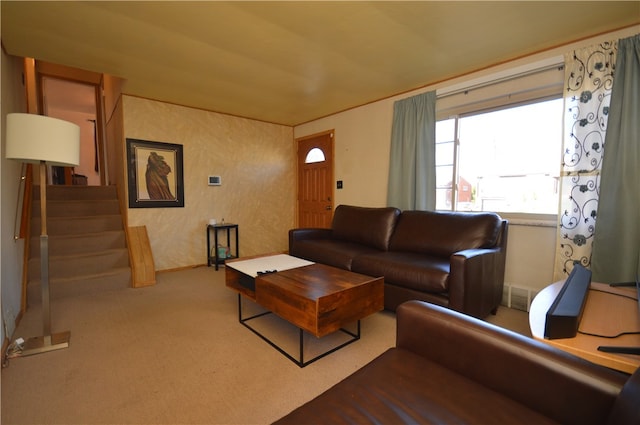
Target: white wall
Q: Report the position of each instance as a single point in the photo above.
(362, 144)
(13, 100)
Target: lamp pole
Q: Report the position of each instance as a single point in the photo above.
(43, 140)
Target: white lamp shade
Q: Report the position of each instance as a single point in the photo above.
(35, 138)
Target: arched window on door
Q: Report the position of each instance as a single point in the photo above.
(314, 155)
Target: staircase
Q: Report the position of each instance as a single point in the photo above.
(87, 243)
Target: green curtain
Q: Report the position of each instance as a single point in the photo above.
(616, 244)
(412, 175)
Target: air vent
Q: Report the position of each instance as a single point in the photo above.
(518, 297)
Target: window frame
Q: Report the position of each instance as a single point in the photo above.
(548, 93)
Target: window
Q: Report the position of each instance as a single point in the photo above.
(314, 155)
(506, 160)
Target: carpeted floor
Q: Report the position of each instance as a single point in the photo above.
(175, 353)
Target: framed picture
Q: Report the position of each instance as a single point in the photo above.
(155, 174)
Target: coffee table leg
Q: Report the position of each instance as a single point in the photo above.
(300, 360)
(301, 363)
(243, 320)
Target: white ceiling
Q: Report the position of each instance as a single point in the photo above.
(293, 62)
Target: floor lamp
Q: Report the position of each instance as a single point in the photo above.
(44, 141)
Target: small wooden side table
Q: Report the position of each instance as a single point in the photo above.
(216, 259)
(607, 311)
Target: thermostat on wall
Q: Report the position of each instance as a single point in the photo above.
(215, 181)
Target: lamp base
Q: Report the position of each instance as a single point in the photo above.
(44, 344)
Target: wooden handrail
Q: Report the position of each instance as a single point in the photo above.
(25, 232)
(26, 201)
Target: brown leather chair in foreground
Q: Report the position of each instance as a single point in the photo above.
(451, 368)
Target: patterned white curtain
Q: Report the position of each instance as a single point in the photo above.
(588, 82)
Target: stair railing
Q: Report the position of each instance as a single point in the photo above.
(22, 230)
(23, 203)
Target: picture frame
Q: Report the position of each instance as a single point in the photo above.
(155, 174)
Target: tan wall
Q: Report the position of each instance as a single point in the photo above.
(255, 160)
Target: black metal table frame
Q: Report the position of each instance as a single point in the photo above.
(300, 361)
(228, 227)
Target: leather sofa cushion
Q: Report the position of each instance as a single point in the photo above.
(444, 233)
(368, 226)
(330, 252)
(402, 387)
(410, 270)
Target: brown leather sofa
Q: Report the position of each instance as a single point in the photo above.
(453, 259)
(450, 368)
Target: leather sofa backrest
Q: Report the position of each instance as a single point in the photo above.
(553, 382)
(368, 226)
(444, 233)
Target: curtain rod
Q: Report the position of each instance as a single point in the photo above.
(559, 66)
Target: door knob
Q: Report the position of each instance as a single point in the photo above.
(328, 207)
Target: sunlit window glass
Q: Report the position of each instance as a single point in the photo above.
(314, 155)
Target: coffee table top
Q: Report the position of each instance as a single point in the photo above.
(277, 262)
(314, 281)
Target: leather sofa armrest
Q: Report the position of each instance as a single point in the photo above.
(476, 281)
(626, 410)
(542, 377)
(308, 233)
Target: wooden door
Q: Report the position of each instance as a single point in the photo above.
(315, 180)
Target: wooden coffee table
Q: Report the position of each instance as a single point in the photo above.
(316, 298)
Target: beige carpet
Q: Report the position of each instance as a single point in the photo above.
(175, 353)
